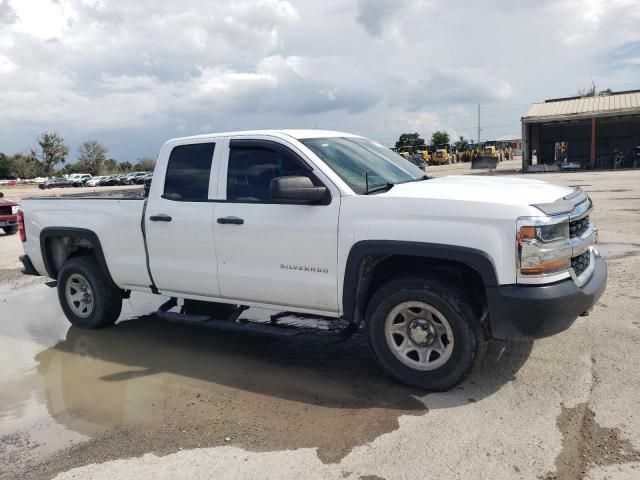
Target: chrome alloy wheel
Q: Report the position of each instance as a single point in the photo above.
(419, 335)
(79, 295)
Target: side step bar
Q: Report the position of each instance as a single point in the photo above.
(272, 330)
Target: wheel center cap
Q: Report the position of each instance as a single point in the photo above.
(421, 332)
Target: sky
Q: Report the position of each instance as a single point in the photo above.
(132, 74)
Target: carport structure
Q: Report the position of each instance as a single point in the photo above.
(597, 132)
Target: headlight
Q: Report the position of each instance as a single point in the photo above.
(543, 245)
(14, 209)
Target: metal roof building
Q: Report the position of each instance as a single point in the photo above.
(601, 131)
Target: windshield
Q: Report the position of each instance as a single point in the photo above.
(357, 160)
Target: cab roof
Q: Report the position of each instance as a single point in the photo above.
(298, 134)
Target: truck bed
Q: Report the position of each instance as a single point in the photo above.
(124, 194)
(114, 216)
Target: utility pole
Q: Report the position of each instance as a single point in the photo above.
(479, 124)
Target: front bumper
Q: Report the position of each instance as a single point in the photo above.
(8, 220)
(536, 311)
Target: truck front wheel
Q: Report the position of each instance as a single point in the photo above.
(87, 298)
(424, 332)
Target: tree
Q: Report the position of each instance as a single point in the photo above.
(73, 168)
(592, 92)
(125, 167)
(145, 164)
(111, 166)
(92, 156)
(53, 151)
(410, 140)
(5, 166)
(26, 165)
(440, 137)
(462, 144)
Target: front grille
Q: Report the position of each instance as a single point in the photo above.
(581, 263)
(578, 227)
(5, 210)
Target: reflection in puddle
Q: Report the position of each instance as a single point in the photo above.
(147, 377)
(147, 385)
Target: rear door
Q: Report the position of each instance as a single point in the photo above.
(274, 253)
(179, 221)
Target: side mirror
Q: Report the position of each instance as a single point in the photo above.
(1, 194)
(296, 189)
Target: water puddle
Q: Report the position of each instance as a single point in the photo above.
(73, 396)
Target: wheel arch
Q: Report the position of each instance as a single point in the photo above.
(370, 261)
(58, 244)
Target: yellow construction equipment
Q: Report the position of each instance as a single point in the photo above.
(488, 158)
(441, 155)
(426, 154)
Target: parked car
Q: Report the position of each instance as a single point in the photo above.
(57, 182)
(8, 182)
(94, 181)
(139, 178)
(128, 179)
(336, 229)
(109, 181)
(79, 180)
(121, 179)
(8, 216)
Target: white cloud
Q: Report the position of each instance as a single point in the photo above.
(6, 65)
(7, 13)
(41, 18)
(144, 70)
(384, 18)
(581, 22)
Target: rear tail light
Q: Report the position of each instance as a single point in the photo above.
(21, 230)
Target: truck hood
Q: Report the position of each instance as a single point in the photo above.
(497, 190)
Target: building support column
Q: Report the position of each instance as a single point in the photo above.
(593, 143)
(526, 153)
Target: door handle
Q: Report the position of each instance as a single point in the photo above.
(231, 220)
(160, 218)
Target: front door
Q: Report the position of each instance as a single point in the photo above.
(276, 254)
(179, 223)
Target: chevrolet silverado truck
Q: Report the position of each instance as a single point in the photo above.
(8, 216)
(337, 234)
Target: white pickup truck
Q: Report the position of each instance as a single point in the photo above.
(334, 228)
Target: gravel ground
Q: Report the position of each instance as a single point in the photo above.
(151, 399)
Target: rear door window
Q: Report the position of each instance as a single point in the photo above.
(188, 172)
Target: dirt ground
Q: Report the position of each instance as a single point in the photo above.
(155, 399)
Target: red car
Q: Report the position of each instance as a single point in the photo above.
(8, 216)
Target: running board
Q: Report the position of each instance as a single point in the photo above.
(272, 330)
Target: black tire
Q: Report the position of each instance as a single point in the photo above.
(460, 312)
(10, 230)
(107, 298)
(218, 311)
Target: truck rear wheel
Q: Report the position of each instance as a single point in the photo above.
(10, 230)
(88, 299)
(424, 332)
